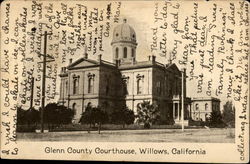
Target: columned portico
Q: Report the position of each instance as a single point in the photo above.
(177, 110)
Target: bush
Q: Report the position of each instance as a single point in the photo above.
(94, 115)
(147, 113)
(215, 119)
(27, 120)
(55, 114)
(123, 116)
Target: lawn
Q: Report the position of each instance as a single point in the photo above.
(213, 135)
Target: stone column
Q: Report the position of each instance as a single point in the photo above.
(190, 111)
(178, 107)
(174, 111)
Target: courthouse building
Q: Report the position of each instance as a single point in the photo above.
(110, 85)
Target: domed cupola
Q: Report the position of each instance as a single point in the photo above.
(124, 43)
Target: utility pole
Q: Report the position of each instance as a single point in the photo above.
(32, 92)
(44, 74)
(44, 79)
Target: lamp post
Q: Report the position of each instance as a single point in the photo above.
(44, 74)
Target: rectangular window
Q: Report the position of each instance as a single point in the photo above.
(139, 86)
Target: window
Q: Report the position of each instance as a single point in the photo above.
(116, 52)
(132, 53)
(197, 107)
(139, 86)
(139, 83)
(75, 85)
(158, 87)
(125, 81)
(66, 87)
(90, 85)
(125, 52)
(91, 82)
(206, 106)
(206, 117)
(74, 108)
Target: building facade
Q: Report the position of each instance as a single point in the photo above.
(123, 82)
(203, 106)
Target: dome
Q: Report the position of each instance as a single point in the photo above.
(124, 32)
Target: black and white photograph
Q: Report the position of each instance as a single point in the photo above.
(162, 81)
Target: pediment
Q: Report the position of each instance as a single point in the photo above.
(174, 68)
(81, 63)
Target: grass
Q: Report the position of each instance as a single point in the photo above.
(216, 135)
(84, 127)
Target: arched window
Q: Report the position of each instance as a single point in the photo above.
(196, 106)
(125, 52)
(116, 52)
(66, 87)
(132, 53)
(75, 85)
(90, 85)
(206, 117)
(91, 82)
(206, 106)
(74, 108)
(139, 86)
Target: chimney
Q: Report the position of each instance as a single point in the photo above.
(100, 58)
(85, 53)
(86, 56)
(149, 58)
(153, 58)
(70, 60)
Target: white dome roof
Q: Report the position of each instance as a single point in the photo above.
(124, 32)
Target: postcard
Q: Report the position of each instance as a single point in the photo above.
(103, 80)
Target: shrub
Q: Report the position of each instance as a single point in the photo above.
(55, 114)
(123, 116)
(215, 119)
(147, 113)
(94, 115)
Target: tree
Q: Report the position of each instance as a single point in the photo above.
(27, 120)
(55, 114)
(20, 116)
(32, 116)
(228, 114)
(94, 115)
(28, 117)
(86, 117)
(123, 116)
(147, 113)
(215, 119)
(100, 117)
